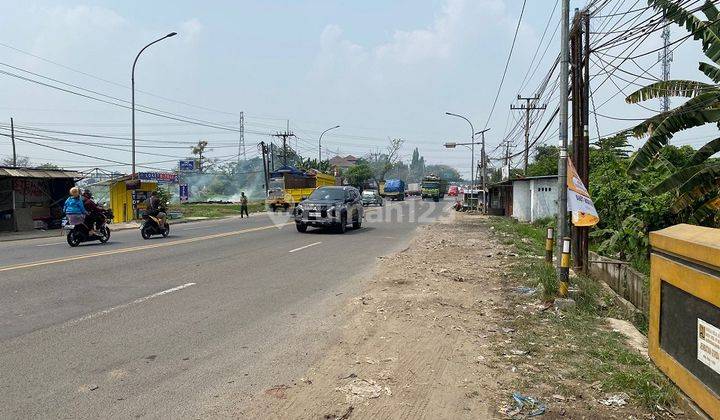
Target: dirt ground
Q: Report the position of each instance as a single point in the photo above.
(432, 337)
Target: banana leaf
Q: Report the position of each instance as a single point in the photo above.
(705, 152)
(676, 180)
(705, 31)
(710, 71)
(698, 186)
(692, 113)
(685, 88)
(708, 211)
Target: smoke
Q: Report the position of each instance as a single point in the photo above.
(226, 182)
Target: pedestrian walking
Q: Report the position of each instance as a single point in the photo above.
(243, 205)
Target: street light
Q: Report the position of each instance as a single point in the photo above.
(472, 148)
(320, 142)
(171, 34)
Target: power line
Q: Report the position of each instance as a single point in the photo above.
(507, 64)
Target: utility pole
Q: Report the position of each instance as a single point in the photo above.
(264, 151)
(272, 157)
(563, 139)
(483, 161)
(284, 136)
(580, 57)
(527, 107)
(241, 140)
(666, 57)
(12, 137)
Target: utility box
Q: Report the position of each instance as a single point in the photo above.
(684, 330)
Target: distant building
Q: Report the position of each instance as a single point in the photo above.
(340, 162)
(525, 199)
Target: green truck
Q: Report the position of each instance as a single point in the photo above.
(433, 187)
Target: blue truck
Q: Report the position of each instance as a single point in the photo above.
(394, 189)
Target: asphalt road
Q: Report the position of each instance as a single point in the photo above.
(178, 326)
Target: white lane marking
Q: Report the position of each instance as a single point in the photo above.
(303, 247)
(134, 302)
(54, 243)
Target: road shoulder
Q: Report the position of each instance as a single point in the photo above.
(415, 341)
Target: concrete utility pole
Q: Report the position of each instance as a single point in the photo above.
(241, 140)
(284, 136)
(12, 137)
(580, 77)
(563, 133)
(527, 107)
(483, 164)
(263, 152)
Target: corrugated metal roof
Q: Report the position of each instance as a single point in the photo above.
(38, 173)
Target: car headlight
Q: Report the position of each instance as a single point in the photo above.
(331, 211)
(298, 209)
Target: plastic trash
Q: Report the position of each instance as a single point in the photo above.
(531, 405)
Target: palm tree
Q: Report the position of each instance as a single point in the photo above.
(695, 186)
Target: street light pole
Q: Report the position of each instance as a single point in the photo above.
(132, 77)
(320, 142)
(472, 148)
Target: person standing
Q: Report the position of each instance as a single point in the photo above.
(243, 205)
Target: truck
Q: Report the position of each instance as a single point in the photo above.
(288, 186)
(433, 187)
(412, 189)
(394, 189)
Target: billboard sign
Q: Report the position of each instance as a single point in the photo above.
(186, 165)
(184, 193)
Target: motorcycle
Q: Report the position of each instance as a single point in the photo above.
(151, 226)
(80, 233)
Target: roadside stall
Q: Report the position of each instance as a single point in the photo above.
(127, 199)
(33, 198)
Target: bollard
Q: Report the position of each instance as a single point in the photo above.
(549, 245)
(564, 267)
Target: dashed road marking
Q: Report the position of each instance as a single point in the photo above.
(303, 247)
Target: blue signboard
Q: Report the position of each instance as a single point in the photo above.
(184, 193)
(187, 165)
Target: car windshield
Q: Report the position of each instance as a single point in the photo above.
(327, 194)
(368, 193)
(431, 184)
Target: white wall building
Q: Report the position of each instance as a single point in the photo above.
(534, 197)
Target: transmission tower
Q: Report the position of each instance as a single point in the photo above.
(241, 140)
(665, 57)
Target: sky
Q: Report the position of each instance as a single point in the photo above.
(379, 69)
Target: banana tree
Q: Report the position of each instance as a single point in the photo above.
(696, 186)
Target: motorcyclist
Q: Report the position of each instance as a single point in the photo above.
(155, 208)
(95, 217)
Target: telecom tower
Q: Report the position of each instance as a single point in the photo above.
(665, 57)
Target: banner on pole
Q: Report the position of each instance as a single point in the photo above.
(579, 201)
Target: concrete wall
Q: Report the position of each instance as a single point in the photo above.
(534, 199)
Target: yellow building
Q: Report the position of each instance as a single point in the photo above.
(121, 199)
